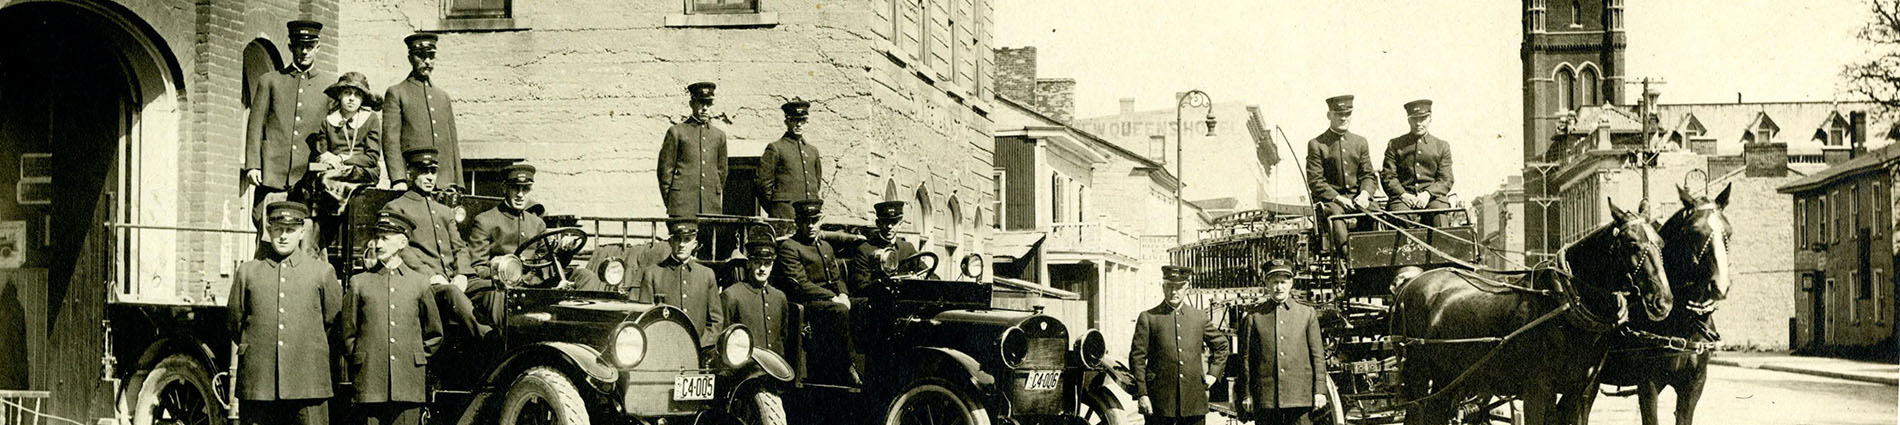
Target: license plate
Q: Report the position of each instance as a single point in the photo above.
(1043, 380)
(692, 387)
(1368, 366)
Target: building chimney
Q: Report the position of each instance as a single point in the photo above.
(1857, 127)
(1128, 106)
(1016, 74)
(1738, 97)
(1764, 159)
(1055, 97)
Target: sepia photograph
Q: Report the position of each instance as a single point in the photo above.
(949, 212)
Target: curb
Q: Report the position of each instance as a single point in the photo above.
(1883, 380)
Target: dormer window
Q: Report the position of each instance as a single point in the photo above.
(1762, 130)
(1836, 131)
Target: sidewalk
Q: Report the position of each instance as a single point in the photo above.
(1853, 370)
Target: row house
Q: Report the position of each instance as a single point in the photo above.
(1843, 254)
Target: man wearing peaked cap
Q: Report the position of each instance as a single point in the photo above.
(807, 271)
(287, 108)
(1282, 364)
(390, 329)
(417, 113)
(692, 159)
(499, 231)
(1339, 168)
(1418, 166)
(882, 253)
(682, 282)
(755, 303)
(436, 248)
(284, 309)
(1170, 341)
(791, 169)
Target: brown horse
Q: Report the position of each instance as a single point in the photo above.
(1674, 352)
(1464, 337)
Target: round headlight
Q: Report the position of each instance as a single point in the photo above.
(1092, 348)
(973, 266)
(735, 346)
(1015, 347)
(630, 346)
(613, 272)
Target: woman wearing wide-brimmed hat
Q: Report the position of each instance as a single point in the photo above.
(348, 150)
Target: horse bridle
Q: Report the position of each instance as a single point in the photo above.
(1704, 306)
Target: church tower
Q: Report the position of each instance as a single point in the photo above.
(1572, 56)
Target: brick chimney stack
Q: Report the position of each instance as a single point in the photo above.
(1128, 106)
(1055, 97)
(1016, 74)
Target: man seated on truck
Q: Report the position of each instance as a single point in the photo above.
(755, 303)
(284, 309)
(681, 281)
(436, 248)
(808, 273)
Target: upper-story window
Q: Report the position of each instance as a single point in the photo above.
(1576, 13)
(1836, 132)
(1566, 89)
(700, 7)
(722, 13)
(1001, 187)
(479, 9)
(1587, 92)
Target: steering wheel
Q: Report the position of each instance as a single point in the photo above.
(922, 272)
(540, 251)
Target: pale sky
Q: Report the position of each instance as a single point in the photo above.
(1288, 55)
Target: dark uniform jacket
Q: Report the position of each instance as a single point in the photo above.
(1169, 344)
(1282, 362)
(690, 287)
(287, 109)
(1417, 164)
(865, 266)
(498, 232)
(762, 309)
(285, 313)
(390, 331)
(435, 246)
(417, 113)
(789, 170)
(692, 168)
(1338, 164)
(807, 270)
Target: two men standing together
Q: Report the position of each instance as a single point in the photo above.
(1280, 359)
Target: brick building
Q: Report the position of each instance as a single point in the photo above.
(125, 112)
(1844, 257)
(583, 90)
(1496, 217)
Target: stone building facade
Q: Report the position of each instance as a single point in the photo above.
(1844, 257)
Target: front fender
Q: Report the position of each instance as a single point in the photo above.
(768, 363)
(567, 356)
(1104, 389)
(938, 359)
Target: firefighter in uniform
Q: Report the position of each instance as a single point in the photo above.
(681, 281)
(1170, 342)
(1282, 361)
(868, 258)
(692, 169)
(284, 309)
(1339, 168)
(436, 248)
(755, 303)
(416, 113)
(287, 109)
(498, 232)
(790, 170)
(390, 329)
(807, 271)
(1418, 166)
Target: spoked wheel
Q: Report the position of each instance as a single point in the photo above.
(1491, 410)
(176, 391)
(1096, 412)
(933, 403)
(757, 407)
(1334, 412)
(543, 397)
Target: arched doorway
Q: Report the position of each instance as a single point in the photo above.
(89, 130)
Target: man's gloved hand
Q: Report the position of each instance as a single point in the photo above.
(1344, 201)
(1364, 199)
(842, 299)
(1319, 401)
(1424, 198)
(1147, 407)
(1207, 380)
(438, 280)
(460, 282)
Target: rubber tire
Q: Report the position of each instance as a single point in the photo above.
(547, 384)
(973, 412)
(1109, 416)
(767, 409)
(174, 368)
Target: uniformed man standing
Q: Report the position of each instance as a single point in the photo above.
(416, 113)
(679, 281)
(287, 108)
(498, 232)
(390, 329)
(869, 258)
(436, 246)
(1418, 166)
(284, 309)
(1282, 361)
(1170, 342)
(692, 168)
(790, 169)
(807, 271)
(1339, 168)
(755, 303)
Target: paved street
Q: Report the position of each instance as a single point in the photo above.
(1753, 396)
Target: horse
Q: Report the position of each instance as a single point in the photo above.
(1464, 336)
(1674, 352)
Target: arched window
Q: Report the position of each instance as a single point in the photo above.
(1566, 89)
(890, 190)
(955, 236)
(259, 58)
(1587, 93)
(922, 209)
(1576, 13)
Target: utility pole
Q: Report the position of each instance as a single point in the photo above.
(1646, 157)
